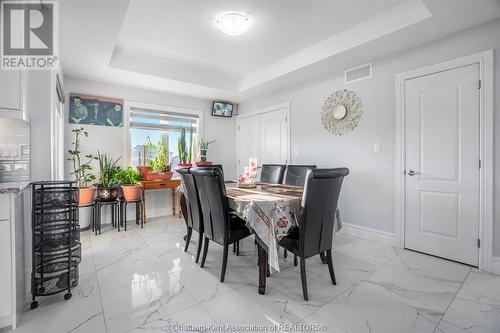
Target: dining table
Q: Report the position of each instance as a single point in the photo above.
(271, 211)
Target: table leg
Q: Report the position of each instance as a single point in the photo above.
(173, 202)
(143, 205)
(262, 268)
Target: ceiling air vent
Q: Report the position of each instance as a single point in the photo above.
(358, 73)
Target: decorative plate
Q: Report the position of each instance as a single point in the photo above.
(341, 112)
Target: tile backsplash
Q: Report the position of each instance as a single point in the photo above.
(14, 150)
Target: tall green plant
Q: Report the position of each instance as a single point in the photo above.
(181, 147)
(108, 171)
(190, 151)
(81, 169)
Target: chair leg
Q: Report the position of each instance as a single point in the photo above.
(234, 247)
(188, 239)
(205, 250)
(285, 253)
(330, 266)
(224, 263)
(303, 278)
(238, 248)
(200, 241)
(125, 215)
(295, 263)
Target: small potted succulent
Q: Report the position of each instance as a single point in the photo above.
(129, 179)
(82, 169)
(107, 189)
(203, 152)
(185, 151)
(159, 163)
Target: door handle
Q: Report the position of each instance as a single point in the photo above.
(413, 173)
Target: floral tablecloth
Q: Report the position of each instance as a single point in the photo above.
(270, 211)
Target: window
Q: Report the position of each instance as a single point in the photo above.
(159, 126)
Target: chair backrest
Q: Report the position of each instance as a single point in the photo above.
(296, 174)
(272, 173)
(214, 203)
(319, 206)
(195, 215)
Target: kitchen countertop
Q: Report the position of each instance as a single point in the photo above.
(13, 187)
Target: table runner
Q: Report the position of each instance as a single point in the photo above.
(270, 211)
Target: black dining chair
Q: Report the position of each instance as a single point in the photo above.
(296, 174)
(272, 173)
(220, 225)
(314, 232)
(194, 213)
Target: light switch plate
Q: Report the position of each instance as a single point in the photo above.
(376, 147)
(296, 151)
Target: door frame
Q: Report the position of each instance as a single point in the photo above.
(266, 109)
(485, 62)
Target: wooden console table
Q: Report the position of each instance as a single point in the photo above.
(171, 184)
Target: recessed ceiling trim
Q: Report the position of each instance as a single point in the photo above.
(390, 21)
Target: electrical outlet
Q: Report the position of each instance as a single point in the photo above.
(296, 151)
(376, 147)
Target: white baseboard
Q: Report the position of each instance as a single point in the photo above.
(495, 265)
(380, 236)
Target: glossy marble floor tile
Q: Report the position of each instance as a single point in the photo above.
(141, 280)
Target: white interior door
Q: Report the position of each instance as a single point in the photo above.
(274, 137)
(442, 164)
(248, 140)
(264, 135)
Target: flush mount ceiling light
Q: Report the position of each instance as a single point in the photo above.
(232, 23)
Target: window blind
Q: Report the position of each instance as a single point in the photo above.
(162, 120)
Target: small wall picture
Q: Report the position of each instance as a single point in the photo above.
(95, 110)
(222, 109)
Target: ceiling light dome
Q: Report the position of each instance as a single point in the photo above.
(232, 23)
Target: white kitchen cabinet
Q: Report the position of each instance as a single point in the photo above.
(12, 258)
(11, 90)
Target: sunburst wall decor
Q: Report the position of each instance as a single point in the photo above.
(341, 112)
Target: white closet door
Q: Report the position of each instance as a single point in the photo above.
(248, 140)
(273, 137)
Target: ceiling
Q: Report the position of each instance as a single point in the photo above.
(174, 45)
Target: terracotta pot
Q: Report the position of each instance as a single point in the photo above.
(86, 195)
(185, 165)
(203, 163)
(107, 194)
(161, 175)
(145, 171)
(132, 192)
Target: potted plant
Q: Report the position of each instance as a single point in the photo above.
(82, 168)
(108, 178)
(203, 152)
(185, 151)
(159, 163)
(129, 179)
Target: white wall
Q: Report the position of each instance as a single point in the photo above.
(111, 140)
(38, 104)
(369, 191)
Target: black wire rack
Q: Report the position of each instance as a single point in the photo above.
(56, 250)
